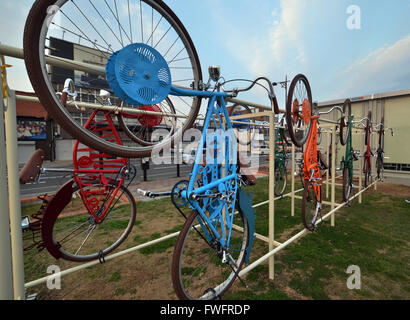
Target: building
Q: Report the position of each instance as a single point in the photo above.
(395, 107)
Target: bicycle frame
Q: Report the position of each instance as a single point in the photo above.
(380, 153)
(348, 161)
(368, 153)
(102, 164)
(217, 176)
(102, 167)
(311, 168)
(280, 155)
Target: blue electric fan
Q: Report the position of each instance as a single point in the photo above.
(139, 75)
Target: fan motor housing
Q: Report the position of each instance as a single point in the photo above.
(139, 75)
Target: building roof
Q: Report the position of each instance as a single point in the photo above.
(390, 94)
(29, 108)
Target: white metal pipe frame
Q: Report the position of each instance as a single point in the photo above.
(12, 275)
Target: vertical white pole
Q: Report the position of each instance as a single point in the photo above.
(6, 275)
(361, 165)
(332, 220)
(293, 182)
(271, 192)
(328, 162)
(374, 169)
(14, 198)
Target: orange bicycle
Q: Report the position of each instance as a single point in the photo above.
(299, 114)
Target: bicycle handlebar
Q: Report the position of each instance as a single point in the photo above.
(334, 108)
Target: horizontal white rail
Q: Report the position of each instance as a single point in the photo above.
(90, 68)
(296, 236)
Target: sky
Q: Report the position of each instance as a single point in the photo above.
(279, 38)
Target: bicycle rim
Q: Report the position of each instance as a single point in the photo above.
(297, 120)
(148, 21)
(79, 238)
(343, 132)
(142, 133)
(310, 209)
(197, 269)
(280, 180)
(347, 186)
(366, 173)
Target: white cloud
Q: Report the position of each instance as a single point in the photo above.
(385, 69)
(13, 16)
(286, 34)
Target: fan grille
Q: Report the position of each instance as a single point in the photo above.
(139, 73)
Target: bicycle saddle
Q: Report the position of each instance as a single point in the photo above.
(31, 169)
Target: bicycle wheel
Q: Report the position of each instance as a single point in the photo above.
(379, 166)
(242, 130)
(366, 172)
(347, 184)
(381, 135)
(141, 132)
(280, 179)
(319, 136)
(311, 209)
(299, 109)
(73, 234)
(368, 128)
(52, 32)
(197, 268)
(347, 111)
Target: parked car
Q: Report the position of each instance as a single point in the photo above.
(189, 158)
(263, 150)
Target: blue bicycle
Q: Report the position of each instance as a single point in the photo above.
(143, 69)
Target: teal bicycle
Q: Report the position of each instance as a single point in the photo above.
(346, 139)
(281, 160)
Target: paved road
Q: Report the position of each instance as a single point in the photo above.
(50, 182)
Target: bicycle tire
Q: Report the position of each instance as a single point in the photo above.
(134, 136)
(347, 185)
(366, 173)
(381, 135)
(34, 55)
(201, 255)
(299, 142)
(379, 166)
(280, 187)
(50, 227)
(309, 204)
(347, 106)
(368, 127)
(319, 137)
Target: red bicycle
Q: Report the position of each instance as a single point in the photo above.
(94, 212)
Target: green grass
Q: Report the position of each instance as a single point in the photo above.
(373, 235)
(159, 247)
(115, 277)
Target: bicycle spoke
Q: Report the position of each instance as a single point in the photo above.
(129, 20)
(142, 28)
(105, 22)
(64, 239)
(91, 229)
(153, 31)
(78, 28)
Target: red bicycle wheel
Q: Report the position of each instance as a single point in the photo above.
(299, 109)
